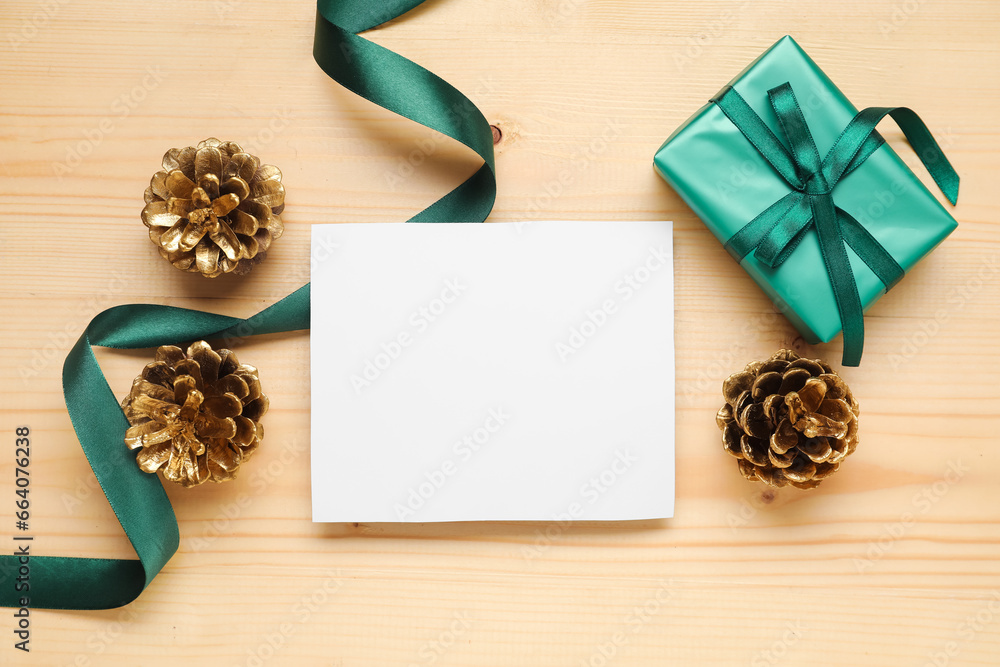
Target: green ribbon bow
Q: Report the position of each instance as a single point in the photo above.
(138, 499)
(773, 235)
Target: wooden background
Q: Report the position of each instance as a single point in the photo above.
(890, 562)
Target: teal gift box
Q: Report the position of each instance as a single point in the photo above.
(824, 237)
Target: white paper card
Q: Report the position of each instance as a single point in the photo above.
(499, 371)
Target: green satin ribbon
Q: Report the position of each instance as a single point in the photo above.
(773, 235)
(138, 499)
(400, 85)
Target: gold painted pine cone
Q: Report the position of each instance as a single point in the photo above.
(214, 208)
(195, 416)
(788, 420)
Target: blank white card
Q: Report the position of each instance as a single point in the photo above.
(499, 371)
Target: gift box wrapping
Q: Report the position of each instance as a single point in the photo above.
(727, 183)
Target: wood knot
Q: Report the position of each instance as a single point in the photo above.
(797, 344)
(497, 134)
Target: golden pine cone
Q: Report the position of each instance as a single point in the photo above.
(788, 420)
(214, 208)
(196, 416)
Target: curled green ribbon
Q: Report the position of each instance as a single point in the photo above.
(398, 84)
(773, 235)
(138, 499)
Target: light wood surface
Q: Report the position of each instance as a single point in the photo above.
(890, 562)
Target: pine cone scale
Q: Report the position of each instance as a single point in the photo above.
(210, 184)
(817, 450)
(187, 380)
(753, 450)
(157, 214)
(779, 460)
(225, 240)
(204, 361)
(232, 384)
(224, 406)
(145, 404)
(179, 186)
(208, 426)
(256, 408)
(735, 385)
(206, 258)
(801, 471)
(754, 422)
(765, 385)
(771, 403)
(245, 431)
(234, 185)
(784, 437)
(154, 456)
(158, 185)
(207, 162)
(155, 391)
(262, 214)
(732, 440)
(249, 375)
(222, 205)
(181, 208)
(191, 406)
(192, 235)
(244, 224)
(793, 380)
(243, 165)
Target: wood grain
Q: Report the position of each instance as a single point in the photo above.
(891, 562)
